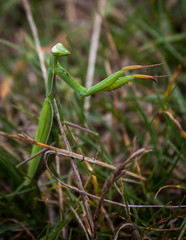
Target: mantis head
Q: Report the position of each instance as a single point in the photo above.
(59, 50)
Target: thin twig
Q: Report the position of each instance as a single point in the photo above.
(178, 125)
(124, 225)
(80, 222)
(23, 227)
(79, 127)
(36, 39)
(60, 190)
(164, 229)
(106, 215)
(97, 162)
(75, 169)
(168, 186)
(35, 155)
(122, 196)
(134, 231)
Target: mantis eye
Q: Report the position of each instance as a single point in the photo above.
(59, 50)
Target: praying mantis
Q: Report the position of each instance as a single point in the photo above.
(110, 83)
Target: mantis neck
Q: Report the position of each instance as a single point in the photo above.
(51, 88)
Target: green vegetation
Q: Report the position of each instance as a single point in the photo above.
(141, 121)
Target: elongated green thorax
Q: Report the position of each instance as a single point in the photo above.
(50, 89)
(66, 77)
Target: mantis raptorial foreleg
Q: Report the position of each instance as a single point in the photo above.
(112, 82)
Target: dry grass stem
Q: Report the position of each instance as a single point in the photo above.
(167, 186)
(22, 226)
(60, 192)
(80, 222)
(124, 225)
(93, 49)
(75, 169)
(178, 125)
(36, 39)
(106, 215)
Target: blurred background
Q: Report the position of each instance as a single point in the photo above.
(103, 36)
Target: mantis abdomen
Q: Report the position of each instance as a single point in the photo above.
(42, 134)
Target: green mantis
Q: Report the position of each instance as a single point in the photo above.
(112, 82)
